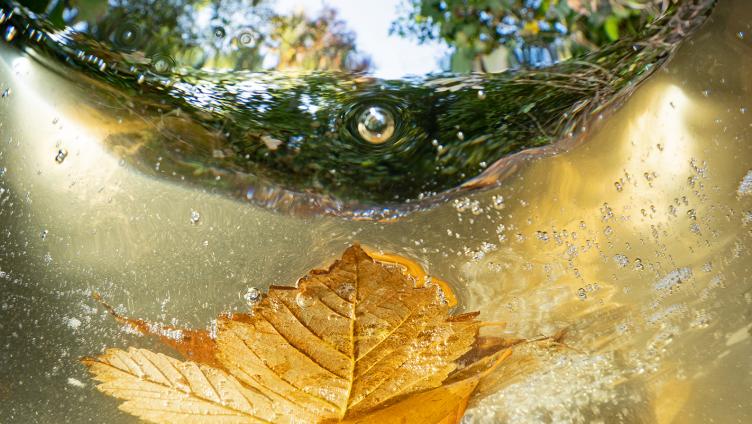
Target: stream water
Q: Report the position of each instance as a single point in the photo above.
(635, 236)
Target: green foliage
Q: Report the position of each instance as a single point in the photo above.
(476, 28)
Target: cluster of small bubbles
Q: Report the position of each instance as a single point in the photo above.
(487, 247)
(745, 186)
(692, 214)
(43, 234)
(541, 235)
(61, 155)
(465, 204)
(3, 170)
(672, 280)
(740, 35)
(619, 186)
(252, 295)
(701, 319)
(72, 323)
(706, 92)
(500, 232)
(477, 255)
(621, 260)
(746, 219)
(608, 231)
(47, 259)
(606, 212)
(195, 217)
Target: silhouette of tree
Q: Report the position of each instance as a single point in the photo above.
(218, 34)
(324, 42)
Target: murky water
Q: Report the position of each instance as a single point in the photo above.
(637, 240)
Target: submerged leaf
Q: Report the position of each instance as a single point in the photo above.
(359, 342)
(162, 389)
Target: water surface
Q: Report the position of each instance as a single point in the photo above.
(637, 240)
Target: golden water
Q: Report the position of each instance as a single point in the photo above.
(637, 240)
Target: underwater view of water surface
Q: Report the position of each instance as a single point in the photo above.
(579, 173)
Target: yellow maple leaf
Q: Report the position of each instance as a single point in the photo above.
(358, 343)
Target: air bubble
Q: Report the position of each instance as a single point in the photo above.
(219, 32)
(498, 202)
(61, 155)
(581, 294)
(376, 125)
(247, 38)
(252, 295)
(126, 36)
(162, 64)
(304, 301)
(638, 264)
(195, 217)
